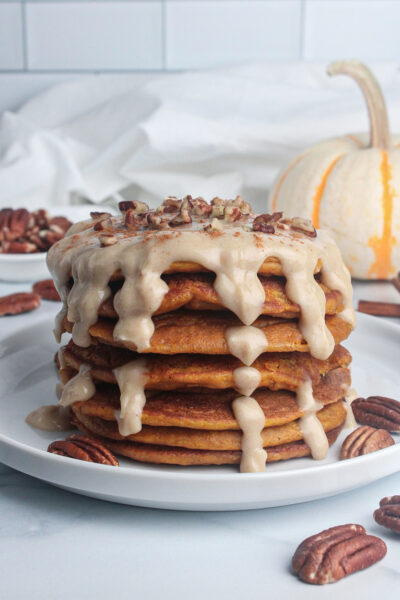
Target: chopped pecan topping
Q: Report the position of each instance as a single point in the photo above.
(388, 515)
(377, 411)
(303, 226)
(21, 302)
(215, 225)
(46, 290)
(184, 215)
(335, 553)
(365, 440)
(83, 448)
(103, 224)
(232, 213)
(132, 220)
(96, 215)
(201, 207)
(154, 221)
(125, 205)
(265, 223)
(170, 205)
(107, 239)
(139, 208)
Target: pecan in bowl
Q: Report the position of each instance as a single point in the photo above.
(377, 411)
(83, 448)
(365, 440)
(24, 232)
(335, 553)
(388, 513)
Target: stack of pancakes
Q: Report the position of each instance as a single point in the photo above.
(187, 418)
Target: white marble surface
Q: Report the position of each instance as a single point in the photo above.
(57, 545)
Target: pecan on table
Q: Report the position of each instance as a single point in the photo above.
(388, 513)
(83, 448)
(21, 302)
(377, 411)
(46, 290)
(365, 440)
(336, 552)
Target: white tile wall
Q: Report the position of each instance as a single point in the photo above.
(94, 35)
(352, 29)
(11, 42)
(207, 33)
(59, 37)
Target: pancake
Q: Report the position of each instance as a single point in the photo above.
(278, 370)
(201, 332)
(330, 417)
(196, 292)
(212, 410)
(150, 453)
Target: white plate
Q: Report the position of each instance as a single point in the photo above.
(32, 267)
(28, 379)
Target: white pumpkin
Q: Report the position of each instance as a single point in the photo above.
(351, 186)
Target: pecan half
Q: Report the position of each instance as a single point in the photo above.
(21, 302)
(388, 515)
(46, 290)
(5, 217)
(18, 247)
(61, 222)
(336, 552)
(377, 411)
(379, 309)
(83, 448)
(19, 221)
(365, 440)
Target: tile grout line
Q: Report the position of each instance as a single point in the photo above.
(24, 37)
(164, 34)
(302, 29)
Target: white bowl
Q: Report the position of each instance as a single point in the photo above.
(23, 267)
(32, 267)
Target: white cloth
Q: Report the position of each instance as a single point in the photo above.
(220, 132)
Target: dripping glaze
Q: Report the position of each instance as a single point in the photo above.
(234, 254)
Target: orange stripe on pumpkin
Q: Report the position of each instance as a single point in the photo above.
(319, 191)
(282, 179)
(382, 267)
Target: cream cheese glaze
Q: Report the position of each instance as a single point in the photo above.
(311, 428)
(131, 379)
(350, 395)
(80, 387)
(235, 254)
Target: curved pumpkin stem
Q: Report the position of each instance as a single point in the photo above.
(378, 116)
